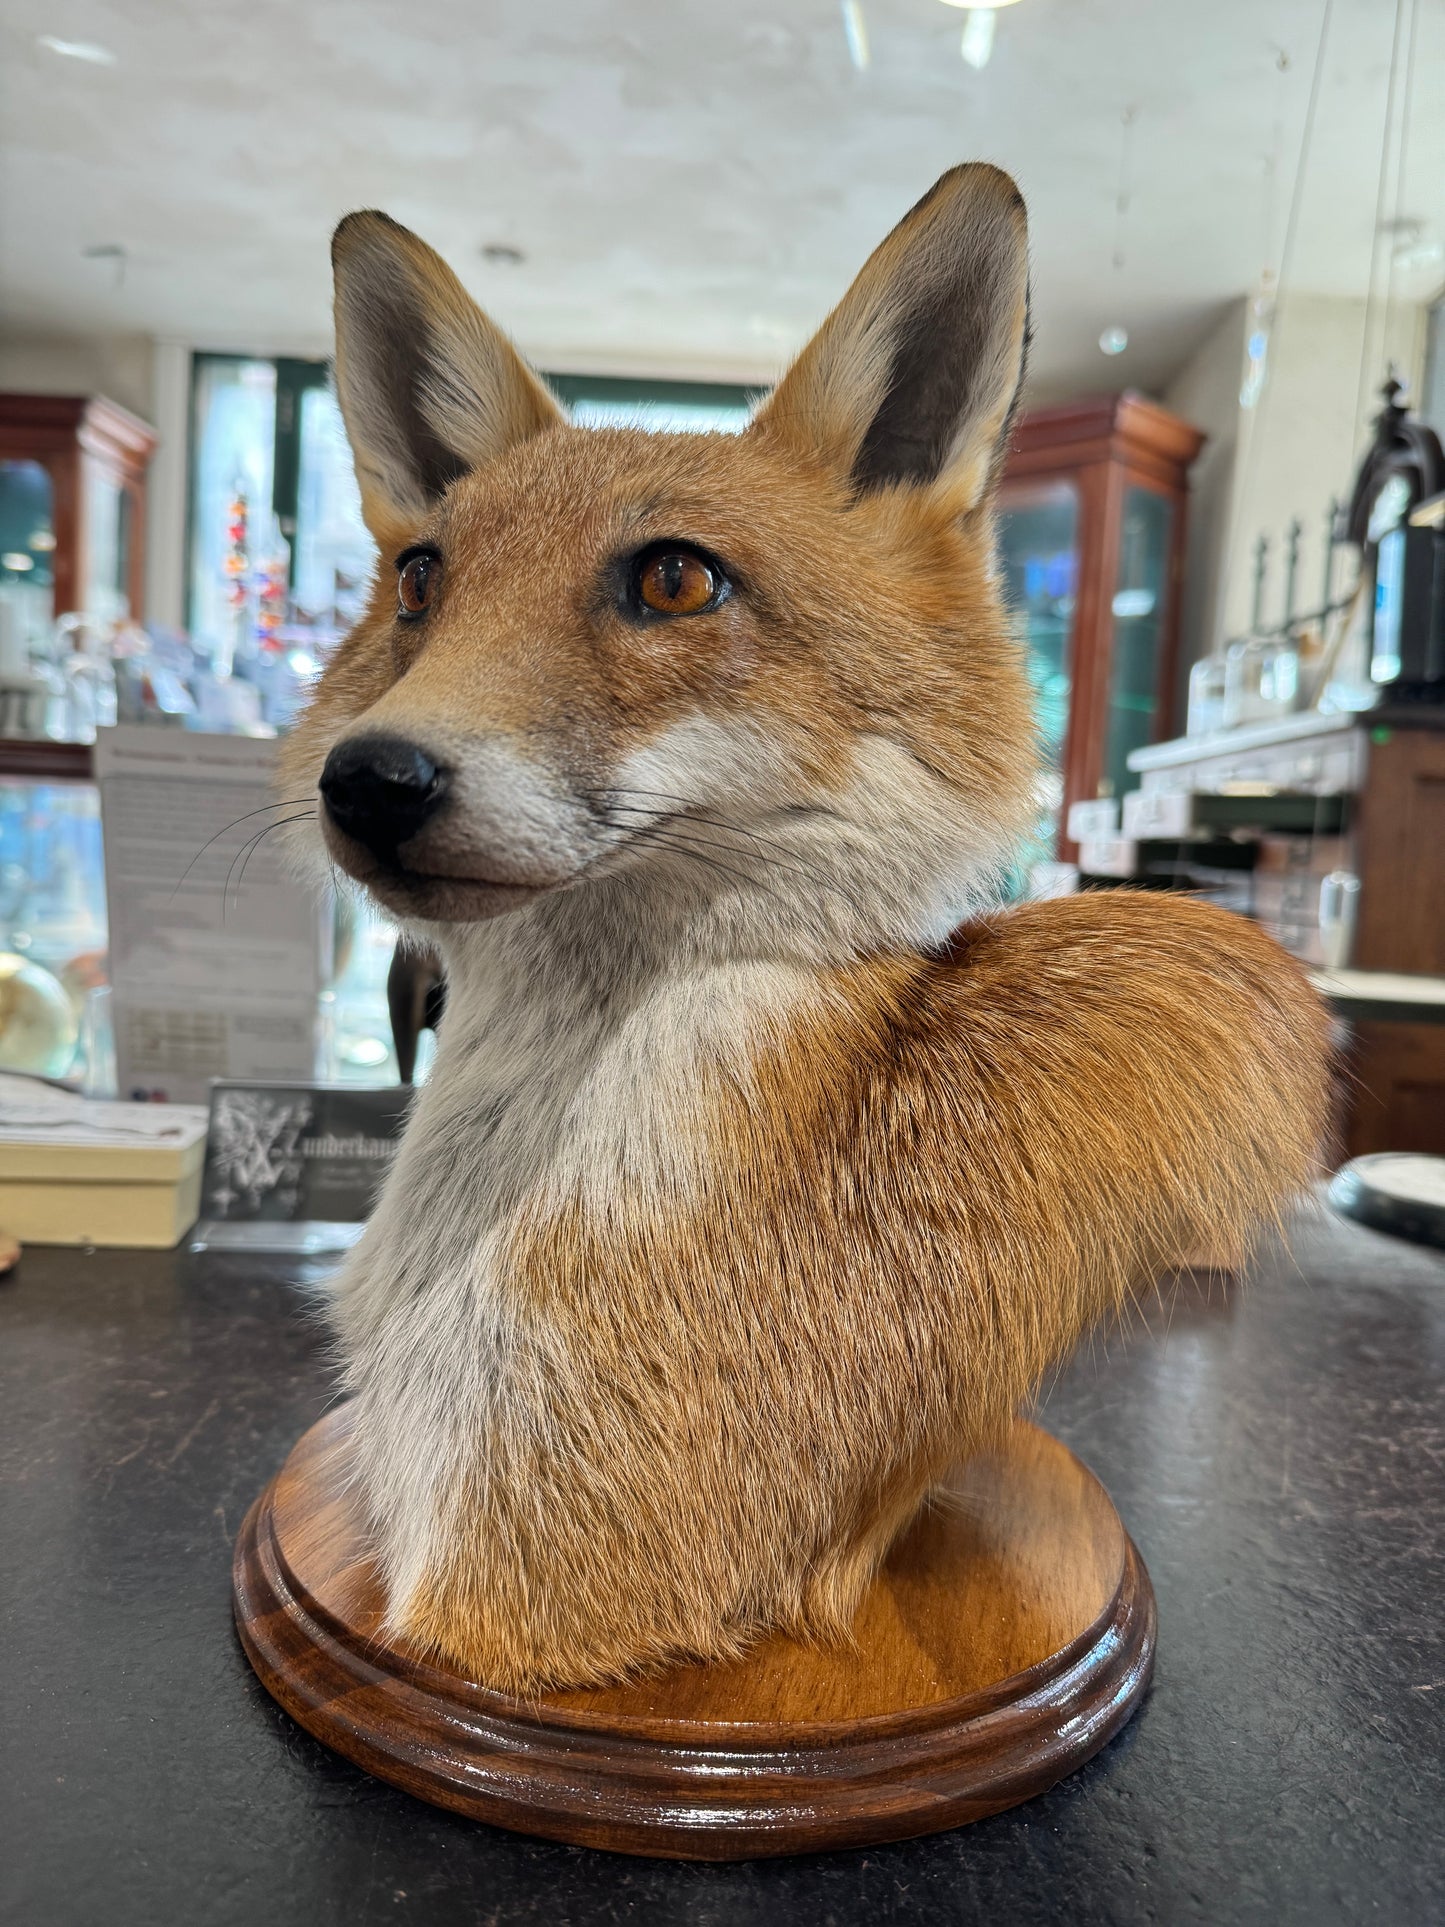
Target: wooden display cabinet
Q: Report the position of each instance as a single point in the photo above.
(72, 500)
(1091, 543)
(1398, 1069)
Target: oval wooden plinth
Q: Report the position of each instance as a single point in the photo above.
(1008, 1637)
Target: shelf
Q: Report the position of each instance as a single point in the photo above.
(40, 760)
(1223, 742)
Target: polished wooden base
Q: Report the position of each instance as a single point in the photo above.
(1008, 1637)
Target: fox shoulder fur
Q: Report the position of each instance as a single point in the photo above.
(765, 1167)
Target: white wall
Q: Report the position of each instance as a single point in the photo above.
(152, 379)
(115, 365)
(1286, 458)
(170, 363)
(1206, 392)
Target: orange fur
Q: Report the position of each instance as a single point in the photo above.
(956, 1167)
(736, 1207)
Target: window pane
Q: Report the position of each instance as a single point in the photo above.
(334, 553)
(105, 541)
(231, 458)
(669, 417)
(669, 407)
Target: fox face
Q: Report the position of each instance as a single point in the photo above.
(769, 670)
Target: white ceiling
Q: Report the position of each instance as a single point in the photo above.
(692, 183)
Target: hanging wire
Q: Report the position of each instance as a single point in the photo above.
(1362, 388)
(1402, 162)
(1262, 305)
(1272, 165)
(1286, 262)
(1125, 193)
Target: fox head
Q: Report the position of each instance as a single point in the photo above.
(767, 675)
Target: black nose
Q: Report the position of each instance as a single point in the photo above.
(381, 790)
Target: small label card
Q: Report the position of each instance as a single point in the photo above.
(295, 1167)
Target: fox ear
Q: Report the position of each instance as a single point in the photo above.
(429, 388)
(914, 376)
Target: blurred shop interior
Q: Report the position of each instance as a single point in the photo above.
(1222, 524)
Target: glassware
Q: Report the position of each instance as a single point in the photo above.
(38, 1026)
(1339, 908)
(1261, 678)
(88, 675)
(1206, 696)
(97, 1043)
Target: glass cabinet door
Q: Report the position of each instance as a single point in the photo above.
(1140, 613)
(27, 555)
(1038, 540)
(107, 546)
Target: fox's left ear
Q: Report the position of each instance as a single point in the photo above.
(914, 376)
(429, 388)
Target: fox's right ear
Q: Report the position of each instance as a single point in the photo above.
(429, 388)
(913, 378)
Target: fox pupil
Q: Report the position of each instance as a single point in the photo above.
(677, 584)
(414, 585)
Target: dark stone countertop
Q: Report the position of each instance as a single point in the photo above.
(1278, 1453)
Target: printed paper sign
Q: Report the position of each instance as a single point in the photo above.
(217, 952)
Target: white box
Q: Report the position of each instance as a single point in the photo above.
(77, 1172)
(1109, 856)
(1158, 813)
(1098, 817)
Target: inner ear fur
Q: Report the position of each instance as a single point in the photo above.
(914, 377)
(429, 387)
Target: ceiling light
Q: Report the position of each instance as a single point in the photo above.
(1113, 341)
(1419, 254)
(977, 44)
(17, 561)
(77, 50)
(978, 32)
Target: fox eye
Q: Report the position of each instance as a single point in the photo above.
(418, 573)
(678, 582)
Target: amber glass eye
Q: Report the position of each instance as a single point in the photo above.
(416, 582)
(677, 583)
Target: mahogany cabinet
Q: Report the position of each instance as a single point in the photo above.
(1398, 1070)
(1091, 546)
(72, 501)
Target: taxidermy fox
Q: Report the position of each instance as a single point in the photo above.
(765, 1167)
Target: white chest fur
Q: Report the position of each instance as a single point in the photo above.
(551, 1085)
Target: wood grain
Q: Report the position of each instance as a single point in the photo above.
(1008, 1637)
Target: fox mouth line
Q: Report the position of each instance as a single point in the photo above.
(387, 876)
(403, 873)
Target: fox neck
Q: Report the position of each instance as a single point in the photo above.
(581, 1038)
